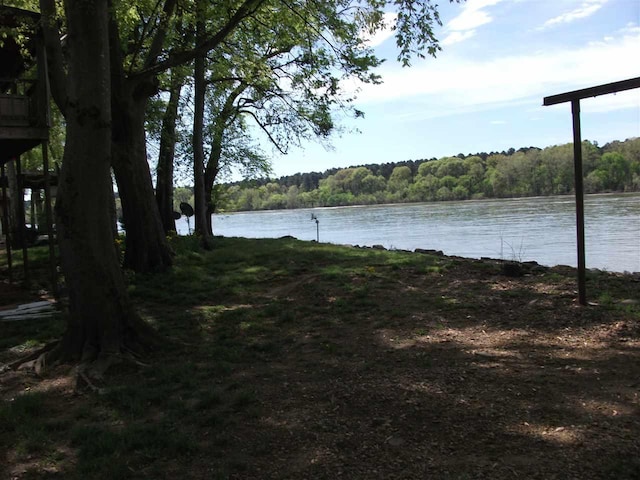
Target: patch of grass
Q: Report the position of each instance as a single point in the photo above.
(130, 400)
(553, 277)
(105, 452)
(209, 399)
(606, 300)
(268, 335)
(24, 409)
(34, 333)
(24, 424)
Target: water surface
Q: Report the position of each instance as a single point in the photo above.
(541, 229)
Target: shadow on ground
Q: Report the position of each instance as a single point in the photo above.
(298, 360)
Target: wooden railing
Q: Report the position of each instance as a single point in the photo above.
(21, 104)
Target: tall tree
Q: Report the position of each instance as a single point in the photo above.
(199, 90)
(102, 92)
(102, 322)
(281, 70)
(143, 45)
(166, 156)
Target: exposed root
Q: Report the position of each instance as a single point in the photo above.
(30, 360)
(91, 375)
(82, 380)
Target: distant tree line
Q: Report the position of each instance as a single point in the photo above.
(614, 167)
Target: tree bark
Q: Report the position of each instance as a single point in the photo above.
(101, 321)
(220, 124)
(200, 200)
(146, 246)
(210, 174)
(16, 206)
(164, 170)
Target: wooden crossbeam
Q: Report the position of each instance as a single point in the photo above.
(593, 91)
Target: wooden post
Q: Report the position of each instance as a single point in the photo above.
(577, 164)
(574, 97)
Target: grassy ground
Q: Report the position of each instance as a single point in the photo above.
(293, 360)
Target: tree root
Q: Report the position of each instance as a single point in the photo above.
(31, 359)
(90, 375)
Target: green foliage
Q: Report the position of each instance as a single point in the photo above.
(525, 172)
(281, 69)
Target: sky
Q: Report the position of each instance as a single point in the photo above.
(484, 91)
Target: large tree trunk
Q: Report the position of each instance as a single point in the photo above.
(146, 246)
(164, 170)
(102, 321)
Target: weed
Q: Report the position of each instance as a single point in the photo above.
(606, 300)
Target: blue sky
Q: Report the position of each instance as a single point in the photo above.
(484, 91)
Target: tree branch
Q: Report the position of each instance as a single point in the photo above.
(53, 46)
(266, 131)
(248, 8)
(161, 33)
(145, 26)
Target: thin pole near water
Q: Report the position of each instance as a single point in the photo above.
(577, 155)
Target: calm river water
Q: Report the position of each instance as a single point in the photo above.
(540, 229)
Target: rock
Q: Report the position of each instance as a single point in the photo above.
(395, 441)
(630, 301)
(512, 269)
(429, 251)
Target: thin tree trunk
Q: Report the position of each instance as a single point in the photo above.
(210, 174)
(164, 170)
(200, 201)
(102, 321)
(16, 206)
(213, 164)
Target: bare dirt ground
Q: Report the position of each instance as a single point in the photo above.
(388, 370)
(460, 375)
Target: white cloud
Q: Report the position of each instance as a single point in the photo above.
(610, 103)
(464, 26)
(383, 34)
(450, 85)
(586, 9)
(456, 37)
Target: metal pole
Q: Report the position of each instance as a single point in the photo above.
(317, 230)
(21, 231)
(577, 154)
(5, 224)
(49, 218)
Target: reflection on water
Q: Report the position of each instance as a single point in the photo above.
(540, 229)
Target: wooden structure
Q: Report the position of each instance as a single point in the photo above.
(574, 97)
(24, 117)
